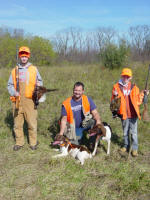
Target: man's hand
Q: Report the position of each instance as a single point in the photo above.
(63, 123)
(16, 94)
(57, 137)
(146, 92)
(115, 93)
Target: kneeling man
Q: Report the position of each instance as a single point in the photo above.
(78, 113)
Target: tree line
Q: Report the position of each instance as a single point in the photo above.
(42, 52)
(76, 46)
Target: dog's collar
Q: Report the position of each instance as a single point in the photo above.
(69, 143)
(63, 144)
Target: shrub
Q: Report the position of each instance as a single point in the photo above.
(41, 51)
(114, 56)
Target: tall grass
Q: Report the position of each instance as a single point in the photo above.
(35, 175)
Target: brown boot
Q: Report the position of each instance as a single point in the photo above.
(35, 146)
(17, 147)
(123, 149)
(134, 153)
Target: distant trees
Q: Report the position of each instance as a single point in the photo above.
(77, 46)
(74, 45)
(42, 52)
(140, 42)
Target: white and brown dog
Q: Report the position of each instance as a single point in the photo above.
(102, 132)
(66, 147)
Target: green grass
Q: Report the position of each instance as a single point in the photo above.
(35, 175)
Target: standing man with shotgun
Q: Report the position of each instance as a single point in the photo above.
(130, 99)
(21, 84)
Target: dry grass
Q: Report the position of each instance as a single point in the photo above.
(35, 175)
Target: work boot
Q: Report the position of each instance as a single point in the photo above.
(17, 147)
(35, 146)
(134, 153)
(123, 149)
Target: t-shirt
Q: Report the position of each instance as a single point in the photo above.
(76, 107)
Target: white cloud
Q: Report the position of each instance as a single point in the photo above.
(14, 11)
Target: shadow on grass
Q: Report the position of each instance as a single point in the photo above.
(116, 139)
(9, 121)
(54, 128)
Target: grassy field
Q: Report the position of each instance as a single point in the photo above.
(34, 175)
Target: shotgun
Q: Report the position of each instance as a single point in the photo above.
(145, 99)
(17, 79)
(39, 91)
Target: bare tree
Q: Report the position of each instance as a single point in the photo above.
(60, 43)
(18, 33)
(104, 36)
(139, 36)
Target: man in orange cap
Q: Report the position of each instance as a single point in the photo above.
(129, 112)
(21, 84)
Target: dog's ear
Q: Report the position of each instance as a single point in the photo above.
(98, 126)
(59, 137)
(93, 129)
(103, 129)
(56, 137)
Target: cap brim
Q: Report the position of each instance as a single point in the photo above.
(125, 75)
(24, 55)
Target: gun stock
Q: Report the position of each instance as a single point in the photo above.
(145, 114)
(17, 103)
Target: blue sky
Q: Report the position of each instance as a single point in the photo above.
(46, 17)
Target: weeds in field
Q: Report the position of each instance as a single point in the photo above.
(35, 175)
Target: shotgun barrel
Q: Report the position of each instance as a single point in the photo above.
(145, 115)
(17, 79)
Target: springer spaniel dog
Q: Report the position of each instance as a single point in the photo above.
(102, 132)
(76, 151)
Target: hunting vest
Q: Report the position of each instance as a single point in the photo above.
(30, 82)
(70, 130)
(135, 96)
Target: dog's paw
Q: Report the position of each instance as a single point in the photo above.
(93, 154)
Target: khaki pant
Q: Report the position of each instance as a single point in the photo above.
(26, 112)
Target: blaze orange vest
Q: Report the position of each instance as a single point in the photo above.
(30, 81)
(67, 105)
(136, 99)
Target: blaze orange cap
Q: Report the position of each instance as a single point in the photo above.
(24, 51)
(126, 72)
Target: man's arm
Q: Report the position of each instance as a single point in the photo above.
(11, 89)
(39, 79)
(96, 116)
(63, 125)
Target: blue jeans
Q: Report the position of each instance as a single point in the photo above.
(79, 135)
(130, 127)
